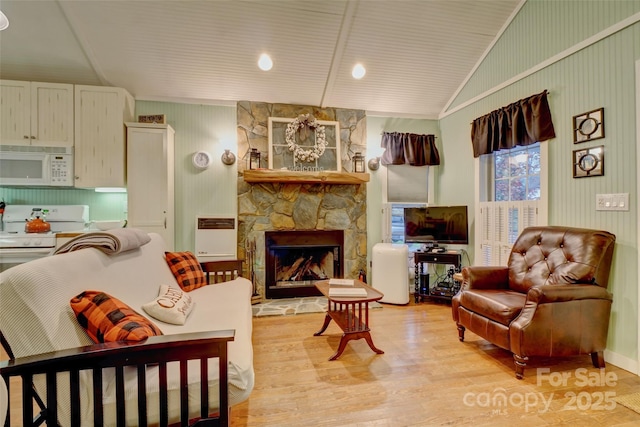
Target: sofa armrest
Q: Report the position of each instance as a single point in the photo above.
(560, 293)
(156, 350)
(480, 277)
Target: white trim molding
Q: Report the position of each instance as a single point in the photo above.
(637, 371)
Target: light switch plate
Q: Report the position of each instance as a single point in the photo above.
(612, 202)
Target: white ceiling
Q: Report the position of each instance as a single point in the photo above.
(417, 52)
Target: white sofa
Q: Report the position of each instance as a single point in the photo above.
(36, 318)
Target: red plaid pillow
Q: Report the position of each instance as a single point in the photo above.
(187, 270)
(108, 319)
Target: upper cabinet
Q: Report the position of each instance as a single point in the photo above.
(34, 113)
(100, 148)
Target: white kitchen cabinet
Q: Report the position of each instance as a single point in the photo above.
(34, 113)
(100, 149)
(150, 182)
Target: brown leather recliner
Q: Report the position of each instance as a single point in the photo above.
(550, 300)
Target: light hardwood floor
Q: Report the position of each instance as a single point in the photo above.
(425, 378)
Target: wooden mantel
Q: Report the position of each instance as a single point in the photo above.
(295, 177)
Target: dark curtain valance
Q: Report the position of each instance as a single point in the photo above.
(523, 123)
(409, 148)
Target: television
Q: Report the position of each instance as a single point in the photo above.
(436, 224)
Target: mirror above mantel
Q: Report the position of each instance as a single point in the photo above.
(304, 177)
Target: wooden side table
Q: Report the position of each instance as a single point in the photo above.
(351, 314)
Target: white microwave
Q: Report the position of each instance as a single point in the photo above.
(36, 166)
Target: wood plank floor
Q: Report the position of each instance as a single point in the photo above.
(425, 378)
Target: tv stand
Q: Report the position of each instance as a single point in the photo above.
(443, 290)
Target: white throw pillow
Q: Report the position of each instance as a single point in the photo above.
(172, 305)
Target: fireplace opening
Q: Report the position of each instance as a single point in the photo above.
(296, 260)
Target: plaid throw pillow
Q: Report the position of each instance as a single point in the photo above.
(186, 268)
(106, 318)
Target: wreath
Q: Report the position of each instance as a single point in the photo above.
(304, 123)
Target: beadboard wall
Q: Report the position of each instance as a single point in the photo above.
(199, 192)
(599, 75)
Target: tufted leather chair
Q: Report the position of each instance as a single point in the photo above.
(550, 300)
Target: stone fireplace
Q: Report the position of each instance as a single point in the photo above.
(295, 260)
(267, 207)
(301, 207)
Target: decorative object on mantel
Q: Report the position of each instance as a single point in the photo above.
(588, 162)
(304, 144)
(588, 126)
(153, 118)
(254, 159)
(228, 158)
(409, 148)
(374, 163)
(309, 177)
(358, 162)
(304, 124)
(520, 123)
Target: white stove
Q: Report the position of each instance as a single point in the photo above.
(17, 246)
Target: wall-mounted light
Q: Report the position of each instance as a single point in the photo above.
(228, 158)
(374, 164)
(4, 22)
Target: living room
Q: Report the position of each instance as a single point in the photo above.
(584, 64)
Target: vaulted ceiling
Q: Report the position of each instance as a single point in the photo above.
(417, 52)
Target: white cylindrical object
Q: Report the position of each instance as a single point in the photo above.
(390, 272)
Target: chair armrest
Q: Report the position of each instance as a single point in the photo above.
(480, 277)
(222, 271)
(561, 293)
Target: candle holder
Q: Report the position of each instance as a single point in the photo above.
(254, 159)
(358, 162)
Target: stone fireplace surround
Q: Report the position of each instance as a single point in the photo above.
(273, 206)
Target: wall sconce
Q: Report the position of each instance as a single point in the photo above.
(254, 159)
(374, 164)
(358, 162)
(228, 158)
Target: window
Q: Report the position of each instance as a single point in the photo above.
(517, 174)
(512, 197)
(407, 186)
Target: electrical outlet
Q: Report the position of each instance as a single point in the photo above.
(612, 202)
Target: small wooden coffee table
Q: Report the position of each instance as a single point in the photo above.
(351, 314)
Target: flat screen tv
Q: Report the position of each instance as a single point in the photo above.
(436, 224)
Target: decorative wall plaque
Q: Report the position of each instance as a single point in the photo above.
(588, 162)
(588, 126)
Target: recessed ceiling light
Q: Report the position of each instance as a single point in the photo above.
(358, 71)
(4, 22)
(265, 63)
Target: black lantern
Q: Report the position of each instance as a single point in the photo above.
(254, 159)
(358, 162)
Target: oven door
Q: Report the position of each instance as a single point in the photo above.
(10, 257)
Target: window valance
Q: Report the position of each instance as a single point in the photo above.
(522, 123)
(409, 148)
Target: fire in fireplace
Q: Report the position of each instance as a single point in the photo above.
(295, 260)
